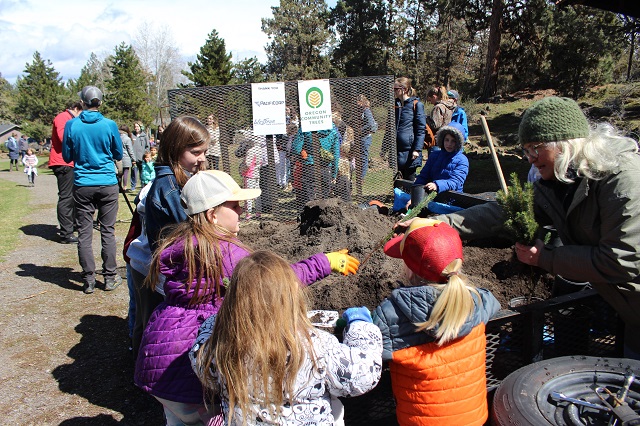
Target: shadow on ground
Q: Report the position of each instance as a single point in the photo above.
(102, 373)
(63, 277)
(48, 232)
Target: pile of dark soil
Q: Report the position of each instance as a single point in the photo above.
(330, 225)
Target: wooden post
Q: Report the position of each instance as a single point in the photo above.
(496, 163)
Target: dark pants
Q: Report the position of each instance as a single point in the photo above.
(66, 206)
(104, 199)
(146, 301)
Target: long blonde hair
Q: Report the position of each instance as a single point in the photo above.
(454, 304)
(201, 254)
(261, 336)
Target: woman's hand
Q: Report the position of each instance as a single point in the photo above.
(414, 155)
(431, 186)
(529, 254)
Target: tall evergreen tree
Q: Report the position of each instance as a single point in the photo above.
(299, 37)
(7, 101)
(584, 43)
(126, 96)
(248, 70)
(213, 65)
(363, 36)
(41, 95)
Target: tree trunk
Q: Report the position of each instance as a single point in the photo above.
(632, 48)
(490, 85)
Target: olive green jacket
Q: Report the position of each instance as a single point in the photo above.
(600, 236)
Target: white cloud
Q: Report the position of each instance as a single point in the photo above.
(67, 33)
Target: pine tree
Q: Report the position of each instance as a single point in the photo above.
(363, 36)
(7, 100)
(213, 65)
(41, 95)
(299, 34)
(40, 91)
(126, 97)
(248, 70)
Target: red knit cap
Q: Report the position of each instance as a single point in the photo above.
(427, 248)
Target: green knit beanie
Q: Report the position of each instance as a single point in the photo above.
(553, 119)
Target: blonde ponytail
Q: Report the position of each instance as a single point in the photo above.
(453, 306)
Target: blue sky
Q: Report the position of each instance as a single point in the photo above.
(66, 32)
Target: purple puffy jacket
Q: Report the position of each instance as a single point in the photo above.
(163, 368)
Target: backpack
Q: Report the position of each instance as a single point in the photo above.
(429, 131)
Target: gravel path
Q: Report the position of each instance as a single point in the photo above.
(64, 357)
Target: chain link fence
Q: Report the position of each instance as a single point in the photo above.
(349, 161)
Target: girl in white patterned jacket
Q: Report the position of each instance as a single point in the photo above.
(267, 364)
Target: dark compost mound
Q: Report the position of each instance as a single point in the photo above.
(330, 225)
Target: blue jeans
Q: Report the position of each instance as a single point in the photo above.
(366, 145)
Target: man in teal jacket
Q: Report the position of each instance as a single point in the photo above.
(93, 143)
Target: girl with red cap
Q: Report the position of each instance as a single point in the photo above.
(433, 331)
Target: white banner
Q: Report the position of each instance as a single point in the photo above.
(269, 116)
(315, 105)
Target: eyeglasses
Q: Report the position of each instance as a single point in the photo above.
(532, 151)
(398, 88)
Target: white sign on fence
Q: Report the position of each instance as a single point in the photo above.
(268, 102)
(315, 105)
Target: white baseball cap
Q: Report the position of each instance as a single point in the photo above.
(210, 188)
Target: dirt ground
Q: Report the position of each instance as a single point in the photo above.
(329, 225)
(65, 358)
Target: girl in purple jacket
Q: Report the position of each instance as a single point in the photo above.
(197, 258)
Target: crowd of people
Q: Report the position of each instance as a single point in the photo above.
(206, 339)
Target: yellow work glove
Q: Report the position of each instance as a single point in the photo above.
(342, 262)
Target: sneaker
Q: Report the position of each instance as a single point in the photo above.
(71, 239)
(111, 283)
(89, 287)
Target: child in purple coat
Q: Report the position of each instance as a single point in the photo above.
(197, 258)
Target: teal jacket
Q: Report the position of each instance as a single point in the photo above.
(93, 143)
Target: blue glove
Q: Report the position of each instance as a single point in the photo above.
(357, 314)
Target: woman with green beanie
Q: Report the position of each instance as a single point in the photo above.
(589, 191)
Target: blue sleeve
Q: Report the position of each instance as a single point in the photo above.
(67, 145)
(116, 143)
(419, 124)
(298, 143)
(380, 320)
(162, 210)
(425, 173)
(370, 122)
(458, 171)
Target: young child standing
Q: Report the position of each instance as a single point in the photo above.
(433, 331)
(446, 169)
(30, 162)
(271, 365)
(148, 170)
(249, 169)
(197, 258)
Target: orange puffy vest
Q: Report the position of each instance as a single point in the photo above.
(442, 385)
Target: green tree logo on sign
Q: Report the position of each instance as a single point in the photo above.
(314, 97)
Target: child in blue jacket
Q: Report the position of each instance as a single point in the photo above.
(447, 169)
